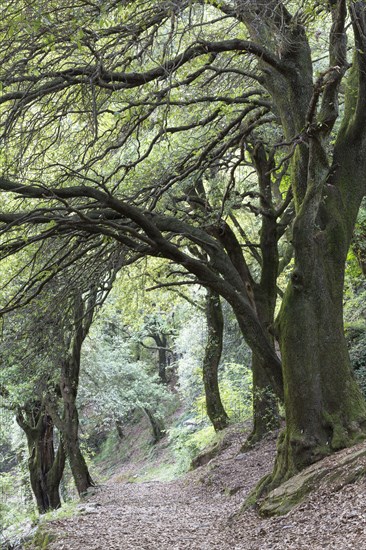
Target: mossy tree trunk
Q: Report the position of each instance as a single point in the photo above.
(265, 401)
(265, 405)
(68, 421)
(325, 410)
(70, 425)
(45, 466)
(213, 350)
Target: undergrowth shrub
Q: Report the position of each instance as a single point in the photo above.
(356, 338)
(187, 443)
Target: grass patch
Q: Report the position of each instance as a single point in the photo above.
(41, 539)
(162, 472)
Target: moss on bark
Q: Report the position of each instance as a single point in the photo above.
(211, 361)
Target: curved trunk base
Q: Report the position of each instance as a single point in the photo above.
(325, 410)
(296, 454)
(334, 472)
(79, 469)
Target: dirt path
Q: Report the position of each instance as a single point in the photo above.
(192, 512)
(146, 516)
(196, 513)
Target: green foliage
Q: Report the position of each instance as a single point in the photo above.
(187, 443)
(6, 490)
(356, 337)
(114, 382)
(189, 345)
(235, 391)
(234, 375)
(162, 472)
(14, 509)
(107, 448)
(16, 503)
(359, 238)
(41, 539)
(7, 450)
(235, 349)
(355, 301)
(194, 432)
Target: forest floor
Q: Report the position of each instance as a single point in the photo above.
(199, 511)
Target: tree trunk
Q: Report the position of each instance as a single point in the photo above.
(325, 410)
(70, 424)
(161, 342)
(265, 403)
(265, 406)
(45, 468)
(158, 431)
(77, 462)
(41, 457)
(69, 383)
(54, 477)
(162, 358)
(215, 327)
(119, 428)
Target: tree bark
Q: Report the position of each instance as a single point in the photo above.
(45, 468)
(325, 410)
(119, 428)
(215, 327)
(70, 422)
(265, 405)
(69, 382)
(157, 428)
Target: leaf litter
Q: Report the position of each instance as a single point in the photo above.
(201, 511)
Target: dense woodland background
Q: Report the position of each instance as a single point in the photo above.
(182, 236)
